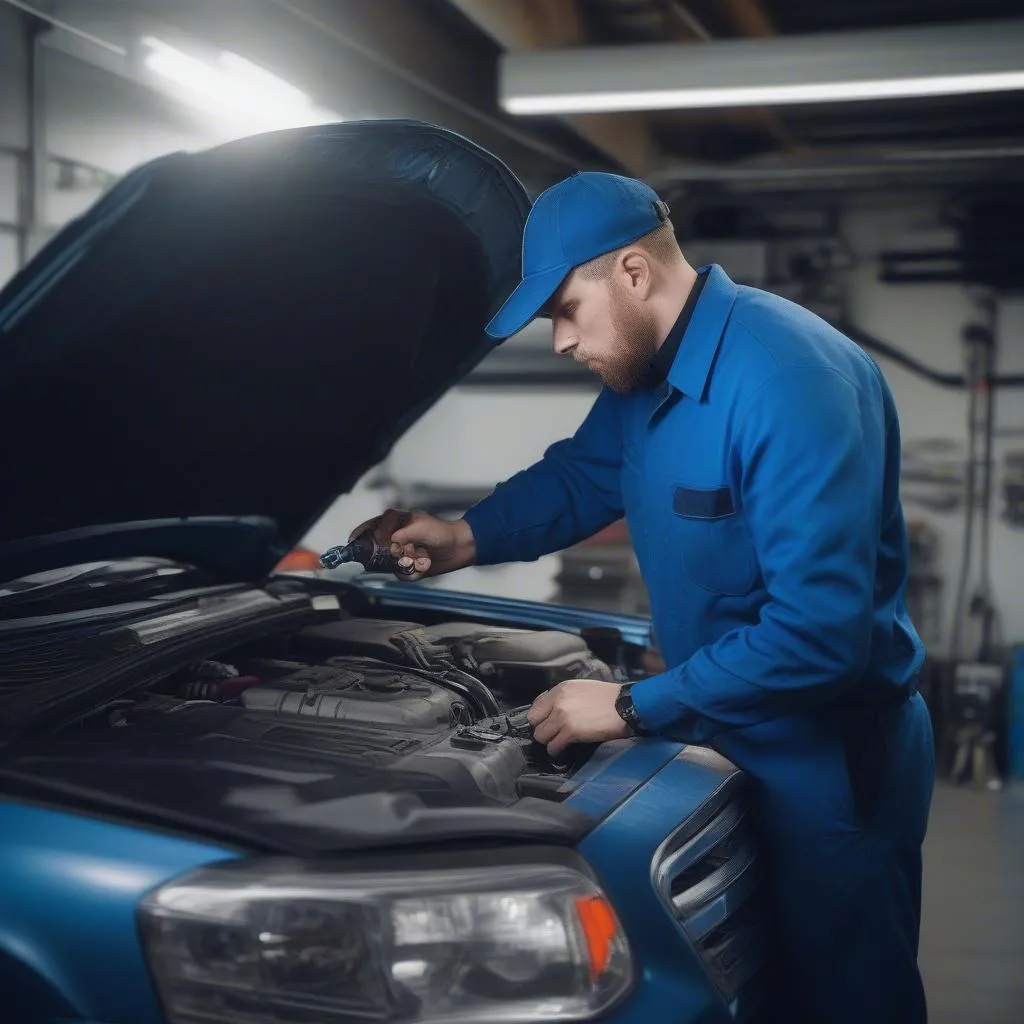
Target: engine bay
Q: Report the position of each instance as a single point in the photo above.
(304, 719)
(441, 709)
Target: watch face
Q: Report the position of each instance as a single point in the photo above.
(624, 706)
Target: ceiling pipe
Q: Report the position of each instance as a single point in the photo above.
(836, 164)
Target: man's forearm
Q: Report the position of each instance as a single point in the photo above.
(536, 512)
(754, 674)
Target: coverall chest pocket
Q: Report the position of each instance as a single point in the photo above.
(711, 539)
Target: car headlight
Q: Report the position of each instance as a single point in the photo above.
(259, 943)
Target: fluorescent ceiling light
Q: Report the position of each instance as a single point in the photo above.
(261, 82)
(234, 88)
(209, 87)
(765, 95)
(854, 66)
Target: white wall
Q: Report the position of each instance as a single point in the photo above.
(108, 121)
(476, 436)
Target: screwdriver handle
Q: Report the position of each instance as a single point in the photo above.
(365, 550)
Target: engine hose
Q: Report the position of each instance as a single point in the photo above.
(434, 663)
(476, 701)
(483, 697)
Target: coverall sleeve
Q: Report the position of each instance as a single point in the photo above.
(571, 493)
(811, 446)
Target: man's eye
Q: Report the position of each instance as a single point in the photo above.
(569, 310)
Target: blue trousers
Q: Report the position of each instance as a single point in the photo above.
(844, 874)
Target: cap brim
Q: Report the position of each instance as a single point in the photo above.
(526, 302)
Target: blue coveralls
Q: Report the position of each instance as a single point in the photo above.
(760, 483)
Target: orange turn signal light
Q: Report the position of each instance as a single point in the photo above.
(600, 928)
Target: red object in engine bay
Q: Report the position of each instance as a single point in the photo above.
(227, 688)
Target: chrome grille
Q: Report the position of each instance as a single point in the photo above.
(709, 876)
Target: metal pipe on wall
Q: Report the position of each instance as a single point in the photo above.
(36, 220)
(915, 366)
(64, 26)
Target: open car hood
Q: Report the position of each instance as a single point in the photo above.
(228, 340)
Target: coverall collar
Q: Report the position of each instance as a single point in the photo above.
(692, 366)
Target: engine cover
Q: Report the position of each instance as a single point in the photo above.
(354, 690)
(517, 664)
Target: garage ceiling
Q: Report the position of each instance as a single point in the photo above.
(938, 140)
(441, 59)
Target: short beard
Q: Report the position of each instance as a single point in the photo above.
(637, 336)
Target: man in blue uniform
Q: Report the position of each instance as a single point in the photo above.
(755, 452)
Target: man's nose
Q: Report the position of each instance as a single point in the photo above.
(564, 341)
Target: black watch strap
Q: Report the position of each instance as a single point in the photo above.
(627, 709)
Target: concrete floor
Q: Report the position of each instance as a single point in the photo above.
(972, 937)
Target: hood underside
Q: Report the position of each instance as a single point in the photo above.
(244, 332)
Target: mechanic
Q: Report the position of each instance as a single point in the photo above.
(755, 452)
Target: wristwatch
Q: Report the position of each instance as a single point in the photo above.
(627, 709)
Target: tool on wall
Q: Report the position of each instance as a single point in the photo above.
(979, 346)
(979, 677)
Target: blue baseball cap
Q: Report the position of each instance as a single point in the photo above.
(573, 222)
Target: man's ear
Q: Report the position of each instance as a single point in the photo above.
(637, 271)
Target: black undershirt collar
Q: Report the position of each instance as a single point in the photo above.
(666, 355)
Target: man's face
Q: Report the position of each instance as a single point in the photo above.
(600, 324)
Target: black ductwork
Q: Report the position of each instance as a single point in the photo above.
(908, 362)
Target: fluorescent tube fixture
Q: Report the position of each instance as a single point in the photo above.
(205, 85)
(234, 87)
(890, 64)
(767, 95)
(261, 83)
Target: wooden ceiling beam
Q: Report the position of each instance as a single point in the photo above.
(747, 18)
(541, 24)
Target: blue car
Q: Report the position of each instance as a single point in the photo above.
(230, 794)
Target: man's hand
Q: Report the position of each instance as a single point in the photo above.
(424, 544)
(577, 711)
